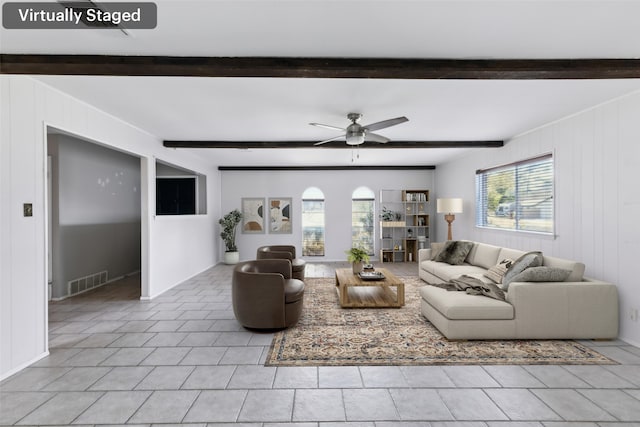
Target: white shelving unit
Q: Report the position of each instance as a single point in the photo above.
(404, 224)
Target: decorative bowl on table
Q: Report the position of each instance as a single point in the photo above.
(371, 275)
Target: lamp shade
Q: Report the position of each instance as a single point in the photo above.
(449, 206)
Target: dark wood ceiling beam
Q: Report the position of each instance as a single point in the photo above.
(374, 68)
(324, 168)
(245, 145)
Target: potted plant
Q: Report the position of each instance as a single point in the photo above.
(387, 214)
(229, 224)
(357, 257)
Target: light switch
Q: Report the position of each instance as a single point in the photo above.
(28, 209)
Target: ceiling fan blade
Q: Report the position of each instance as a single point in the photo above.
(327, 126)
(330, 139)
(374, 137)
(386, 123)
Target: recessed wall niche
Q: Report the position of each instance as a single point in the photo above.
(179, 191)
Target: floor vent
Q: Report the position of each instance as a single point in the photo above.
(86, 283)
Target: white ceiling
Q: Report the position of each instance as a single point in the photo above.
(280, 109)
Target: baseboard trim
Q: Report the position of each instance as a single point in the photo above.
(630, 341)
(20, 367)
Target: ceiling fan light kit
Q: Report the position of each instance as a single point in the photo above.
(356, 134)
(354, 137)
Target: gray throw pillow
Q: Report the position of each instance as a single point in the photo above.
(542, 274)
(454, 252)
(528, 260)
(436, 247)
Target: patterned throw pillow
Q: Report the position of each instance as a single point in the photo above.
(530, 259)
(454, 252)
(497, 272)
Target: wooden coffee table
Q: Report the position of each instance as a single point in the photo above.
(354, 292)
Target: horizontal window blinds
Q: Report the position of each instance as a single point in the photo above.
(517, 196)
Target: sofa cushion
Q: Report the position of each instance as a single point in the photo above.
(431, 266)
(542, 274)
(454, 252)
(530, 259)
(481, 277)
(497, 272)
(577, 268)
(461, 306)
(483, 255)
(446, 272)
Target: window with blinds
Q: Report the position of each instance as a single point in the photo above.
(517, 196)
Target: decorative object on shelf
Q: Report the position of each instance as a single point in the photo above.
(387, 214)
(449, 207)
(357, 257)
(253, 215)
(280, 215)
(229, 224)
(422, 242)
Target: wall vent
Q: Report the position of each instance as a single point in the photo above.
(86, 283)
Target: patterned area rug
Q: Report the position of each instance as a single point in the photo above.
(328, 335)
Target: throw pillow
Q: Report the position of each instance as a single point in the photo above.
(497, 272)
(530, 259)
(454, 252)
(436, 247)
(542, 274)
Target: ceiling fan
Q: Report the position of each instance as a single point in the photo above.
(356, 134)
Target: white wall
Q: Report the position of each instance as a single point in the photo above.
(95, 211)
(27, 107)
(597, 196)
(337, 187)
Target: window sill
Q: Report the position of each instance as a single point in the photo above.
(539, 234)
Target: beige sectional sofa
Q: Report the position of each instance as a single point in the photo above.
(577, 308)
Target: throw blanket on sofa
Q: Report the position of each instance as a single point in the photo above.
(472, 286)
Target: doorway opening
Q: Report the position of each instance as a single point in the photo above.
(94, 215)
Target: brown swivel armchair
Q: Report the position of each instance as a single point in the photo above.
(265, 296)
(284, 252)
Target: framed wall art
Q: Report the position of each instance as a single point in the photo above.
(280, 215)
(253, 215)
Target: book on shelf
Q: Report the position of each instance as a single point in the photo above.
(416, 197)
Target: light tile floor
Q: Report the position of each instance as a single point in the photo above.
(183, 359)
